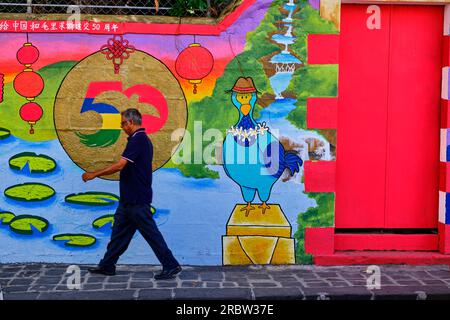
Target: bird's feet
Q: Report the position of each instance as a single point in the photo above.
(264, 206)
(248, 208)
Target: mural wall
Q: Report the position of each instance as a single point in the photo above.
(227, 117)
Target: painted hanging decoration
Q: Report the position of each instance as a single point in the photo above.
(2, 77)
(117, 49)
(194, 63)
(31, 112)
(29, 85)
(28, 54)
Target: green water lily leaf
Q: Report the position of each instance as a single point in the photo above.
(103, 220)
(75, 239)
(36, 163)
(4, 133)
(6, 217)
(109, 218)
(92, 198)
(30, 192)
(25, 224)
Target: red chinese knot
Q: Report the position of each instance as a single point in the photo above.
(117, 49)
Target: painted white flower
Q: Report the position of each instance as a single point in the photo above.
(243, 134)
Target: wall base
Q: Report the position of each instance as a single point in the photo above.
(381, 257)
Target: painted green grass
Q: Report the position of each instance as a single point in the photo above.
(92, 198)
(6, 217)
(36, 163)
(24, 224)
(315, 81)
(76, 239)
(30, 191)
(320, 216)
(44, 129)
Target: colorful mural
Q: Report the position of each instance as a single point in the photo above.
(226, 114)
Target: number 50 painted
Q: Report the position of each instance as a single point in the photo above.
(147, 94)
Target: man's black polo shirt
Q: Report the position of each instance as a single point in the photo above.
(136, 176)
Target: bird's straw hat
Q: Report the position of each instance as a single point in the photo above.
(244, 85)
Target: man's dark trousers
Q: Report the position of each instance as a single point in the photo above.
(127, 219)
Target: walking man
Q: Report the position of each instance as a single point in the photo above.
(133, 212)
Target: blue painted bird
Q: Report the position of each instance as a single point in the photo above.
(252, 156)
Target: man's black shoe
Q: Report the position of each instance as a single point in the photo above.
(168, 274)
(100, 270)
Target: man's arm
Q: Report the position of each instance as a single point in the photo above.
(116, 167)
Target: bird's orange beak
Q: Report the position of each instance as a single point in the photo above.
(245, 109)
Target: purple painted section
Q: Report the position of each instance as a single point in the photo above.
(165, 47)
(315, 4)
(448, 138)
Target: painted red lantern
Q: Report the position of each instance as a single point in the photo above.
(31, 112)
(28, 54)
(28, 84)
(2, 77)
(194, 63)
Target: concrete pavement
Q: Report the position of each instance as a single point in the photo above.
(135, 282)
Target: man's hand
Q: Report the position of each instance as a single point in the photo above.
(88, 176)
(116, 167)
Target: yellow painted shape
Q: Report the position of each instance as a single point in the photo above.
(111, 121)
(272, 223)
(248, 250)
(233, 253)
(284, 252)
(267, 231)
(259, 249)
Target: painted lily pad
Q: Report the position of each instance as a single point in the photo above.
(76, 239)
(103, 221)
(6, 217)
(4, 133)
(92, 198)
(36, 163)
(109, 218)
(25, 224)
(30, 191)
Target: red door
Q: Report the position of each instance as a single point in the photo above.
(388, 117)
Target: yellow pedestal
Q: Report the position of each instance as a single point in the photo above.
(272, 223)
(258, 238)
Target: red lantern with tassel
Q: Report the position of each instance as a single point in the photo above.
(28, 84)
(31, 112)
(28, 54)
(194, 63)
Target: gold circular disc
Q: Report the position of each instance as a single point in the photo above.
(93, 138)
